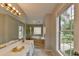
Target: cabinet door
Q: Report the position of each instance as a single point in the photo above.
(39, 43)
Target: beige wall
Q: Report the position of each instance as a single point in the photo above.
(50, 23)
(8, 28)
(76, 28)
(47, 34)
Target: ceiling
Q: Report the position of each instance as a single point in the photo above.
(35, 12)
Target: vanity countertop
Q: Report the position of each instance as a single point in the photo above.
(7, 51)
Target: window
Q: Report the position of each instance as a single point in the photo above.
(20, 32)
(65, 31)
(37, 30)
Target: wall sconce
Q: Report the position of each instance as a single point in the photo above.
(10, 8)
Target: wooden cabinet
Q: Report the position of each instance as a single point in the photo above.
(39, 43)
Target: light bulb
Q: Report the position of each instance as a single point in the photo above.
(14, 8)
(2, 5)
(17, 11)
(9, 5)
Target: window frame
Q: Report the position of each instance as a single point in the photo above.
(59, 30)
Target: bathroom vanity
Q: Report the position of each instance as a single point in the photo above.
(18, 48)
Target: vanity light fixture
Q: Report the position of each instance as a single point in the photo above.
(10, 8)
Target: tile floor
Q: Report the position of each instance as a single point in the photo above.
(42, 52)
